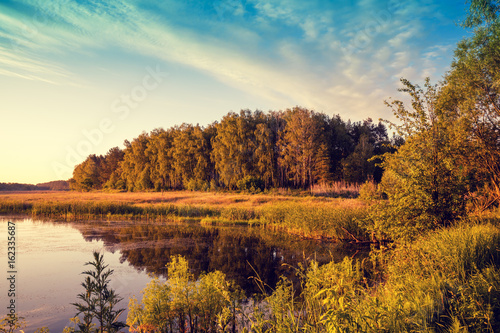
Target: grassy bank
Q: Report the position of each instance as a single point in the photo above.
(446, 281)
(329, 218)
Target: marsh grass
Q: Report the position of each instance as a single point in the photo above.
(439, 281)
(317, 220)
(446, 281)
(15, 207)
(311, 217)
(336, 190)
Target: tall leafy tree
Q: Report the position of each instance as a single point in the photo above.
(136, 165)
(88, 174)
(368, 139)
(339, 144)
(357, 166)
(296, 147)
(299, 144)
(112, 169)
(322, 165)
(265, 154)
(482, 12)
(184, 154)
(234, 147)
(472, 98)
(425, 185)
(190, 155)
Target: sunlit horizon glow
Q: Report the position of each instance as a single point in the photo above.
(81, 77)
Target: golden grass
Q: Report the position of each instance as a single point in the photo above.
(336, 189)
(222, 200)
(309, 216)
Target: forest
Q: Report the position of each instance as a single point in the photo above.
(248, 150)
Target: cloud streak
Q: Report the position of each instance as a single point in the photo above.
(331, 58)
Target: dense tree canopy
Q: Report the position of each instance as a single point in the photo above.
(247, 150)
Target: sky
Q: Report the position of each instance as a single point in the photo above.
(80, 77)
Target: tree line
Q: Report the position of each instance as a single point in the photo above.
(249, 150)
(56, 185)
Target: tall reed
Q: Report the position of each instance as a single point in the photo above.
(446, 281)
(339, 222)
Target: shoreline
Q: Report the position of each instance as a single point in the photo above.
(333, 219)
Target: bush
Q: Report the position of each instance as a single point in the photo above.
(252, 184)
(196, 185)
(184, 304)
(369, 191)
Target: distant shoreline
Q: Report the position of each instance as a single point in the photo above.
(56, 185)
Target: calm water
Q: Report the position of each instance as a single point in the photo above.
(51, 255)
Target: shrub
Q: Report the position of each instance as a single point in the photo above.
(97, 302)
(184, 304)
(252, 184)
(196, 185)
(369, 191)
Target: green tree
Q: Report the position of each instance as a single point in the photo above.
(482, 12)
(135, 161)
(234, 147)
(339, 144)
(299, 144)
(191, 155)
(425, 185)
(87, 175)
(367, 140)
(265, 155)
(322, 165)
(472, 98)
(159, 154)
(357, 166)
(111, 174)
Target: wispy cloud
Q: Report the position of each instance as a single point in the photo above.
(308, 53)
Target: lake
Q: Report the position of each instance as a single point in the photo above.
(50, 256)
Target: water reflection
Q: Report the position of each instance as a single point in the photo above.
(51, 257)
(239, 252)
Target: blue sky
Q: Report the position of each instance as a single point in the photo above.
(80, 77)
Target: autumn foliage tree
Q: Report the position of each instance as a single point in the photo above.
(247, 151)
(97, 172)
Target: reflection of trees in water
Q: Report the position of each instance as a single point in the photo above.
(236, 251)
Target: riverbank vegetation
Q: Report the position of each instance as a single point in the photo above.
(445, 281)
(315, 217)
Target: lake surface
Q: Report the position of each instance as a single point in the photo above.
(51, 256)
